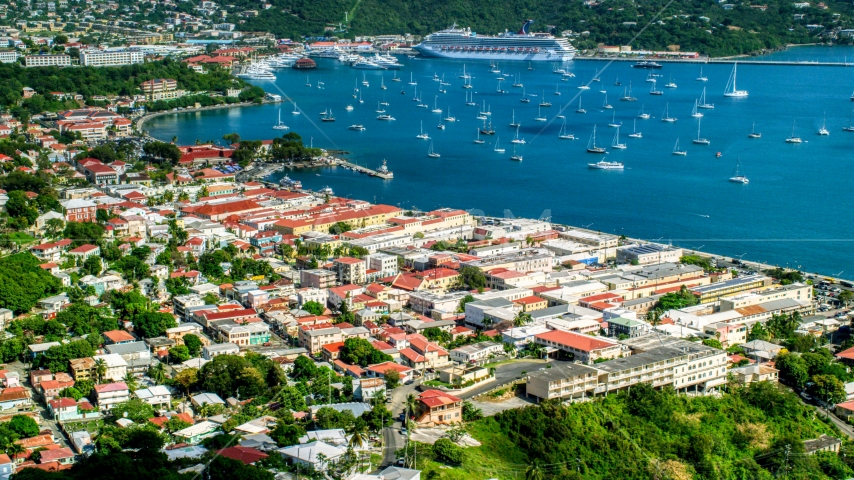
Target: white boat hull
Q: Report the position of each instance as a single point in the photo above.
(542, 56)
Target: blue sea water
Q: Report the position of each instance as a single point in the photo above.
(795, 211)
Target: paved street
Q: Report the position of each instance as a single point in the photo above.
(392, 442)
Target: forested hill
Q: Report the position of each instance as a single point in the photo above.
(742, 29)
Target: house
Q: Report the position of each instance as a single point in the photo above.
(620, 327)
(7, 466)
(82, 368)
(62, 456)
(135, 354)
(365, 389)
(581, 347)
(14, 397)
(198, 432)
(117, 367)
(333, 436)
(118, 337)
(50, 389)
(824, 443)
(762, 349)
(379, 370)
(109, 394)
(315, 454)
(201, 399)
(156, 395)
(214, 349)
(245, 455)
(476, 352)
(754, 373)
(65, 409)
(85, 251)
(438, 408)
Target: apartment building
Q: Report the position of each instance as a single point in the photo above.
(565, 381)
(257, 333)
(110, 58)
(583, 348)
(109, 394)
(313, 339)
(161, 89)
(476, 352)
(648, 254)
(47, 61)
(350, 270)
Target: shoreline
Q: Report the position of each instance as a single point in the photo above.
(138, 123)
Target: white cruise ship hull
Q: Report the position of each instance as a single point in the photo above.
(541, 56)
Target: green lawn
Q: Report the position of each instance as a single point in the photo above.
(513, 360)
(21, 237)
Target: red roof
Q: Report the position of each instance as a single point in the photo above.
(84, 249)
(54, 455)
(436, 398)
(846, 354)
(585, 343)
(111, 387)
(243, 454)
(117, 336)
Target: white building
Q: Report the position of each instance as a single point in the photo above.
(47, 60)
(95, 58)
(476, 352)
(8, 56)
(156, 395)
(117, 367)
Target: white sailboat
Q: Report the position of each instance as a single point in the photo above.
(850, 127)
(703, 103)
(738, 177)
(525, 98)
(470, 100)
(465, 76)
(731, 87)
(394, 78)
(591, 144)
(515, 157)
(702, 78)
(540, 117)
(563, 135)
(823, 130)
(360, 97)
(671, 83)
(616, 143)
(605, 103)
(557, 90)
(411, 80)
(478, 140)
(280, 125)
(545, 103)
(694, 112)
(653, 91)
(579, 109)
(699, 140)
(667, 118)
(627, 94)
(753, 133)
(382, 83)
(296, 109)
(379, 108)
(496, 148)
(450, 118)
(516, 82)
(614, 123)
(513, 122)
(676, 150)
(643, 115)
(635, 133)
(517, 139)
(436, 109)
(431, 153)
(422, 135)
(792, 138)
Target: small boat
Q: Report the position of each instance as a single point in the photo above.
(411, 80)
(280, 125)
(296, 109)
(627, 94)
(617, 82)
(496, 147)
(753, 133)
(605, 104)
(517, 139)
(525, 98)
(465, 76)
(676, 150)
(394, 78)
(513, 122)
(478, 140)
(616, 143)
(823, 130)
(328, 117)
(651, 78)
(653, 91)
(603, 165)
(379, 108)
(563, 135)
(635, 133)
(731, 88)
(643, 115)
(703, 104)
(360, 97)
(540, 117)
(517, 83)
(557, 90)
(431, 153)
(702, 78)
(470, 101)
(699, 140)
(671, 83)
(441, 126)
(365, 81)
(792, 138)
(349, 108)
(694, 112)
(449, 118)
(530, 67)
(515, 157)
(358, 128)
(718, 155)
(422, 135)
(667, 118)
(591, 144)
(647, 64)
(326, 191)
(579, 109)
(382, 84)
(384, 103)
(307, 82)
(435, 77)
(738, 177)
(544, 103)
(583, 87)
(850, 127)
(385, 117)
(487, 130)
(614, 123)
(483, 111)
(436, 109)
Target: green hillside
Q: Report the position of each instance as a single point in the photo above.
(726, 32)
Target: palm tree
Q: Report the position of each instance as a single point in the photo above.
(100, 369)
(411, 404)
(158, 373)
(358, 436)
(14, 449)
(533, 472)
(522, 318)
(654, 317)
(130, 381)
(321, 459)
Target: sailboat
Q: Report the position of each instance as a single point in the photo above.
(467, 83)
(823, 130)
(694, 112)
(307, 81)
(676, 150)
(431, 153)
(517, 83)
(517, 139)
(379, 108)
(583, 87)
(605, 103)
(579, 109)
(411, 80)
(738, 177)
(465, 76)
(617, 82)
(643, 115)
(792, 138)
(498, 88)
(478, 140)
(384, 103)
(328, 117)
(540, 117)
(394, 78)
(449, 118)
(653, 91)
(667, 118)
(544, 103)
(483, 112)
(616, 143)
(591, 144)
(365, 81)
(614, 123)
(627, 94)
(422, 135)
(557, 90)
(702, 78)
(487, 130)
(513, 122)
(699, 140)
(435, 108)
(296, 109)
(280, 125)
(563, 135)
(671, 83)
(753, 133)
(470, 101)
(731, 88)
(496, 147)
(525, 98)
(635, 133)
(441, 125)
(382, 84)
(850, 127)
(515, 157)
(360, 97)
(702, 103)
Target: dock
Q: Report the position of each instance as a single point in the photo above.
(705, 61)
(365, 170)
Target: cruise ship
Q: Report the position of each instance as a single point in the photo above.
(463, 43)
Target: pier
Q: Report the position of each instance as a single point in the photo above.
(358, 168)
(729, 60)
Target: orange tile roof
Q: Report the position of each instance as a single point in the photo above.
(585, 343)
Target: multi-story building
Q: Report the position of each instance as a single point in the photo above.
(350, 270)
(565, 381)
(50, 252)
(182, 304)
(627, 326)
(47, 61)
(648, 254)
(313, 339)
(82, 368)
(318, 278)
(476, 352)
(438, 408)
(211, 351)
(80, 210)
(8, 56)
(109, 394)
(583, 348)
(256, 333)
(161, 89)
(116, 366)
(110, 58)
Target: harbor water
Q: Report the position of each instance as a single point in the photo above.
(794, 212)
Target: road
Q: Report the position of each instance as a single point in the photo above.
(844, 427)
(392, 442)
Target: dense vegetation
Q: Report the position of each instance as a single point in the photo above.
(91, 81)
(726, 32)
(644, 433)
(23, 282)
